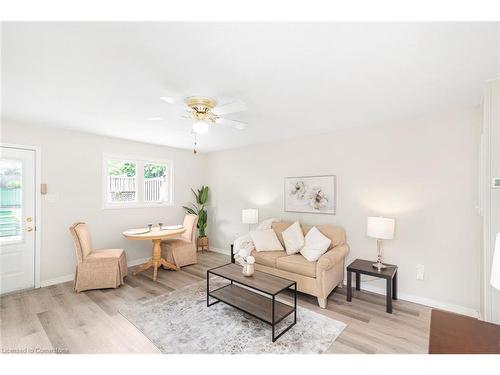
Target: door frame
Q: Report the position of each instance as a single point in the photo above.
(38, 201)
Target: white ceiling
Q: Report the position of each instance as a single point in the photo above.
(296, 78)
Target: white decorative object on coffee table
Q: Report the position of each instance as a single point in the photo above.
(247, 262)
(248, 267)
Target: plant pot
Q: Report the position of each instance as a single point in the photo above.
(202, 243)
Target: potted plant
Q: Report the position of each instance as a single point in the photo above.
(199, 209)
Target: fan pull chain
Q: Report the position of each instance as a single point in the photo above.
(195, 143)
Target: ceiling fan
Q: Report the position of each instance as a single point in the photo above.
(205, 113)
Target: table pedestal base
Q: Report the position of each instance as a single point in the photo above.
(156, 261)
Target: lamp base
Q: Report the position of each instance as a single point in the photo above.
(379, 265)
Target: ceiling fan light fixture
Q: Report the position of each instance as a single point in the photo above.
(200, 127)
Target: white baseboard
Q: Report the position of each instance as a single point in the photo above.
(66, 278)
(57, 280)
(425, 301)
(370, 288)
(221, 251)
(403, 296)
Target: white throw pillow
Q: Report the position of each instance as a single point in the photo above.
(293, 238)
(316, 244)
(266, 240)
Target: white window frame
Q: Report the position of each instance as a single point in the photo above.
(139, 168)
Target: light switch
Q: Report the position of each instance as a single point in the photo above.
(420, 271)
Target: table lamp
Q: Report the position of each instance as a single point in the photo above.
(495, 265)
(380, 228)
(250, 216)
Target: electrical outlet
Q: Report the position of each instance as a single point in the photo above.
(420, 271)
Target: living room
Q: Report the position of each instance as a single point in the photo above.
(250, 188)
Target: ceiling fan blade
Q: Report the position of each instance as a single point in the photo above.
(240, 125)
(232, 107)
(174, 101)
(168, 99)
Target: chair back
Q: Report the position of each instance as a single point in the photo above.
(83, 241)
(190, 222)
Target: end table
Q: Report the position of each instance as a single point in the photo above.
(364, 267)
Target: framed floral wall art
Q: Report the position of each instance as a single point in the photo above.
(311, 194)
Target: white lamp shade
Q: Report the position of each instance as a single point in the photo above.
(495, 266)
(200, 127)
(380, 227)
(250, 216)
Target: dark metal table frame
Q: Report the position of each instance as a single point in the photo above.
(274, 322)
(391, 284)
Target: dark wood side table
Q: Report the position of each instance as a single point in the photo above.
(364, 267)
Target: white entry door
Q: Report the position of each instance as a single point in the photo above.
(17, 219)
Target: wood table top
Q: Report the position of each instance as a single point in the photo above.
(366, 267)
(155, 233)
(261, 281)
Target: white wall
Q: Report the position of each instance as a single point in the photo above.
(72, 169)
(422, 172)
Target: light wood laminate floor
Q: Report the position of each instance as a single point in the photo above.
(89, 322)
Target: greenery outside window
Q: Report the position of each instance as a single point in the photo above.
(136, 182)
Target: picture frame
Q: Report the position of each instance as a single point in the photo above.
(311, 194)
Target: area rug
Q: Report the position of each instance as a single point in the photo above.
(180, 322)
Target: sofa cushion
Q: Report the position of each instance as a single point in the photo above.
(334, 233)
(266, 240)
(268, 258)
(316, 244)
(293, 238)
(296, 264)
(279, 227)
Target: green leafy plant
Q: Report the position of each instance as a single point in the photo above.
(199, 209)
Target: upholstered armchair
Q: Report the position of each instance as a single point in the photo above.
(96, 269)
(182, 250)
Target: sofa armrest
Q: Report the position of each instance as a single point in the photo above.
(332, 257)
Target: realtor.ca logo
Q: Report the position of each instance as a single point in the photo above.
(34, 351)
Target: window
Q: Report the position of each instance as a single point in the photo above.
(136, 182)
(122, 181)
(155, 182)
(11, 178)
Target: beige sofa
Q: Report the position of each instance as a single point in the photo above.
(315, 278)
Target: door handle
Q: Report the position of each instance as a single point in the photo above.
(29, 219)
(29, 229)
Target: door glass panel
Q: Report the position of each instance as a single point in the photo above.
(10, 200)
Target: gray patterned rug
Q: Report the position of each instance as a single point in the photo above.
(180, 322)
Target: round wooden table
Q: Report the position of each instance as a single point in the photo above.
(156, 235)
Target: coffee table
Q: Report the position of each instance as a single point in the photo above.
(254, 295)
